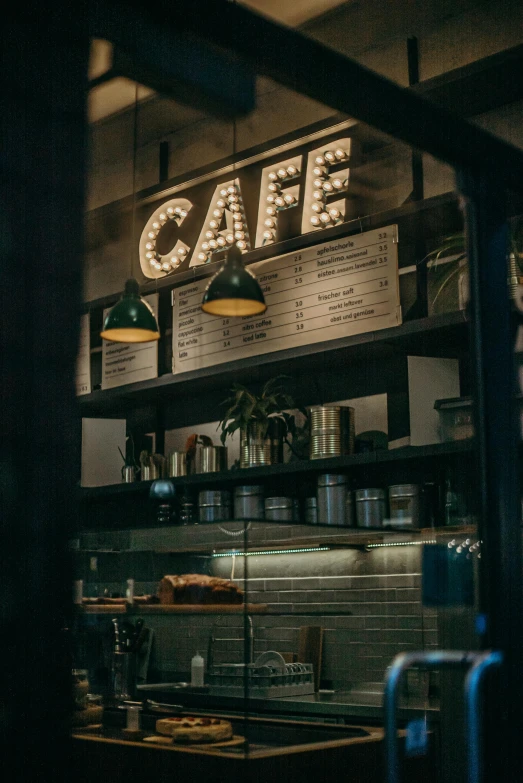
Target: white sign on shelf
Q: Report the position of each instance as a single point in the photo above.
(130, 362)
(83, 359)
(344, 287)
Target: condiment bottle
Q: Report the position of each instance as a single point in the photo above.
(197, 668)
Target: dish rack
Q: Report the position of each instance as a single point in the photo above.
(265, 682)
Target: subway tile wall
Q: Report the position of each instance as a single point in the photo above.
(368, 603)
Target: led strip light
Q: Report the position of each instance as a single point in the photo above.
(272, 552)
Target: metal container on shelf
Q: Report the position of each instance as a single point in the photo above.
(279, 509)
(214, 506)
(211, 459)
(177, 464)
(370, 507)
(404, 505)
(311, 511)
(248, 502)
(331, 431)
(332, 499)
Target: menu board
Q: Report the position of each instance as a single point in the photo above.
(83, 359)
(130, 362)
(344, 287)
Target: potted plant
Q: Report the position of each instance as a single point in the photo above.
(263, 420)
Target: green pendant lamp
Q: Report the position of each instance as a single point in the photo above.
(131, 320)
(233, 291)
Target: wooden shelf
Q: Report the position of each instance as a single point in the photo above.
(173, 608)
(232, 477)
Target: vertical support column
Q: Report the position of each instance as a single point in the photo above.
(43, 73)
(497, 434)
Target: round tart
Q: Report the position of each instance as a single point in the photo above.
(188, 729)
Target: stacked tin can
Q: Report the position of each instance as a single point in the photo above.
(332, 431)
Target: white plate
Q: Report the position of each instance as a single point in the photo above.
(270, 658)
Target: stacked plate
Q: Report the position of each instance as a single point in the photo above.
(332, 431)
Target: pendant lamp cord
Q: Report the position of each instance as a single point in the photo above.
(135, 148)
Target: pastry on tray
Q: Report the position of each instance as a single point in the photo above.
(198, 589)
(197, 730)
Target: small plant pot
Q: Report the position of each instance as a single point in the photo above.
(255, 445)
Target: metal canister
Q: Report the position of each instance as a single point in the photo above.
(370, 507)
(248, 502)
(311, 511)
(177, 463)
(214, 506)
(332, 499)
(331, 431)
(404, 505)
(279, 509)
(211, 459)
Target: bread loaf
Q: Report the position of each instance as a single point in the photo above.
(198, 589)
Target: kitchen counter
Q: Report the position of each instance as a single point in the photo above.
(282, 751)
(340, 705)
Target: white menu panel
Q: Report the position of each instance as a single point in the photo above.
(130, 362)
(339, 288)
(83, 359)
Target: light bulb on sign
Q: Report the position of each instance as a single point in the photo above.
(340, 154)
(268, 234)
(327, 187)
(241, 244)
(202, 257)
(239, 235)
(149, 246)
(320, 160)
(231, 189)
(209, 234)
(319, 171)
(223, 192)
(214, 224)
(166, 266)
(292, 170)
(205, 246)
(221, 241)
(316, 206)
(282, 173)
(315, 220)
(238, 224)
(271, 198)
(318, 195)
(289, 198)
(270, 223)
(334, 213)
(213, 244)
(230, 238)
(325, 217)
(152, 234)
(330, 156)
(182, 251)
(149, 255)
(273, 176)
(274, 187)
(156, 225)
(271, 211)
(217, 213)
(279, 201)
(318, 183)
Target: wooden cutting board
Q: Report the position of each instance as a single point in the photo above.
(310, 647)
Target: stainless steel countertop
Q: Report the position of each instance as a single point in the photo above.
(340, 704)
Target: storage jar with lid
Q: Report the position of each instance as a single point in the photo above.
(370, 507)
(248, 502)
(279, 509)
(311, 511)
(214, 506)
(332, 499)
(404, 505)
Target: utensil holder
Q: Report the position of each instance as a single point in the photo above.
(123, 675)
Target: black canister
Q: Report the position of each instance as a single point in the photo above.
(214, 506)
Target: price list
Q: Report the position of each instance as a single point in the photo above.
(344, 287)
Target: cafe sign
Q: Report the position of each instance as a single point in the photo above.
(297, 190)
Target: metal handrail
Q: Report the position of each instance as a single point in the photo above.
(473, 711)
(443, 659)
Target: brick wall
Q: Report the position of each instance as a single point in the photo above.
(368, 603)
